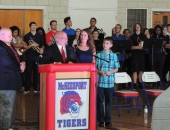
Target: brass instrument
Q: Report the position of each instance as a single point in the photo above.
(162, 49)
(36, 48)
(139, 41)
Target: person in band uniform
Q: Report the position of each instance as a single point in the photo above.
(138, 54)
(32, 54)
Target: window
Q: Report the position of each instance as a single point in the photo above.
(136, 16)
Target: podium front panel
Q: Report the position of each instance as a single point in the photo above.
(71, 98)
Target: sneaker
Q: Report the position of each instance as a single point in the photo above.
(26, 92)
(101, 124)
(108, 124)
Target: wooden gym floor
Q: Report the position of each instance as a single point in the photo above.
(26, 115)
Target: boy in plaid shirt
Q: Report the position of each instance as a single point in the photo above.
(106, 75)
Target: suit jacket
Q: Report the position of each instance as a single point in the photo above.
(10, 76)
(52, 54)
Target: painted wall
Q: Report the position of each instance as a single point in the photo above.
(149, 4)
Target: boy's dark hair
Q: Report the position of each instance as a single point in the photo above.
(14, 28)
(110, 39)
(93, 19)
(52, 21)
(125, 31)
(32, 23)
(66, 20)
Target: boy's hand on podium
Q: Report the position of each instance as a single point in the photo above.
(70, 62)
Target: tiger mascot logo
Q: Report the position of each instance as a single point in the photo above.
(70, 102)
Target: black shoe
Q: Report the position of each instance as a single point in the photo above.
(101, 124)
(108, 124)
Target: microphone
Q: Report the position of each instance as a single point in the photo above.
(96, 56)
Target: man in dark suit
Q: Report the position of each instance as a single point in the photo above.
(59, 52)
(10, 68)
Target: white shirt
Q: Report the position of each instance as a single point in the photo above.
(60, 48)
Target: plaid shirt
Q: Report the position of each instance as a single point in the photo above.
(106, 81)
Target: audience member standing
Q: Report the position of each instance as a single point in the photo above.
(78, 30)
(68, 30)
(32, 55)
(49, 37)
(92, 27)
(128, 53)
(166, 67)
(148, 36)
(138, 54)
(97, 41)
(121, 57)
(158, 54)
(85, 48)
(41, 31)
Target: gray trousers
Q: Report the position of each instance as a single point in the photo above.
(12, 95)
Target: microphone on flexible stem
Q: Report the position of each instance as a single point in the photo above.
(95, 56)
(37, 61)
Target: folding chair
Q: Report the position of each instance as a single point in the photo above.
(150, 92)
(126, 94)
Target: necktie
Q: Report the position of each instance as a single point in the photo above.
(15, 53)
(63, 54)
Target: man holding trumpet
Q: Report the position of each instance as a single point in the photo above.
(36, 46)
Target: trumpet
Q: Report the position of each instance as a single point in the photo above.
(36, 48)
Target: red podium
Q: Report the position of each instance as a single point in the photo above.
(67, 96)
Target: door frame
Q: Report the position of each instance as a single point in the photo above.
(43, 8)
(159, 10)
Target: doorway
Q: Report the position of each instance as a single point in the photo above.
(160, 18)
(21, 18)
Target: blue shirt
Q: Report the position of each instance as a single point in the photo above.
(106, 81)
(121, 56)
(70, 31)
(84, 56)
